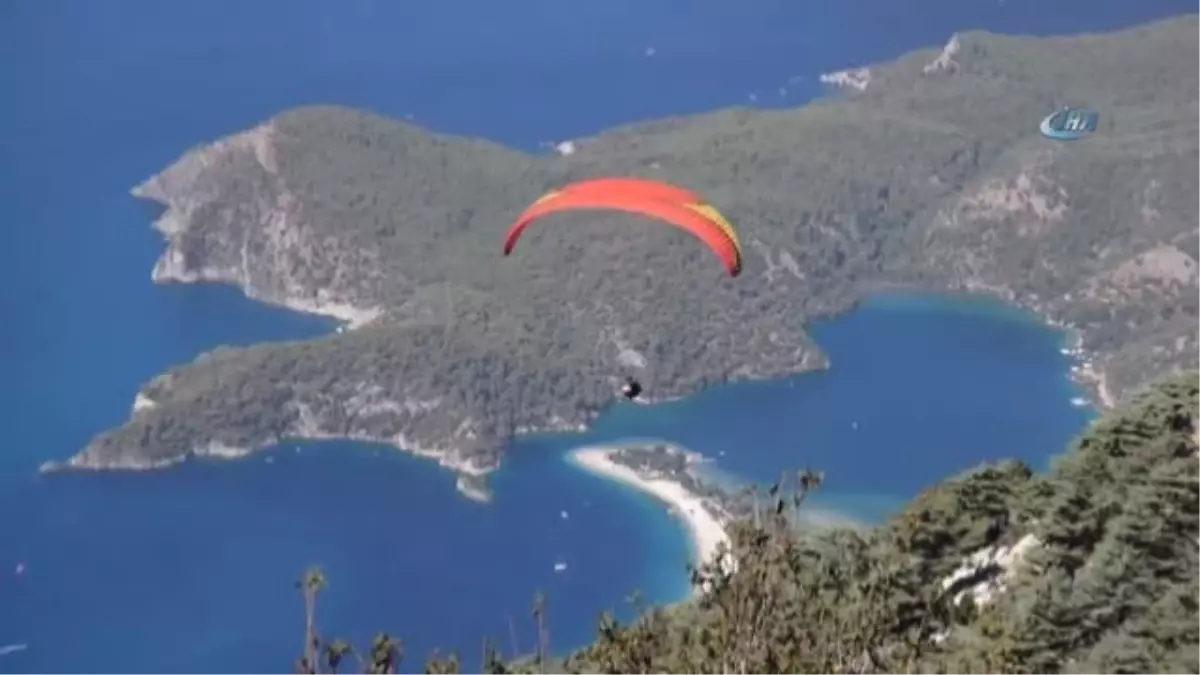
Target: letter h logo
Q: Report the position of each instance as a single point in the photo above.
(1080, 121)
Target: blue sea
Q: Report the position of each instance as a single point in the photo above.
(191, 569)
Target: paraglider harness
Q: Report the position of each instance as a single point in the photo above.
(632, 389)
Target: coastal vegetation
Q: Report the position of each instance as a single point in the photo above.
(933, 177)
(1089, 567)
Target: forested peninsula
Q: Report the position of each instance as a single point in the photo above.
(927, 173)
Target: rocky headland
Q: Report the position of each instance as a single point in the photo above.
(923, 173)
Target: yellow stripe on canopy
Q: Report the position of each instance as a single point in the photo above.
(714, 215)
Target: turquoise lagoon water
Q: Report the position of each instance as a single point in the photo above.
(920, 387)
(190, 569)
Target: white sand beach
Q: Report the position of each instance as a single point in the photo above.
(1088, 375)
(706, 531)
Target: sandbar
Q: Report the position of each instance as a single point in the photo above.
(706, 530)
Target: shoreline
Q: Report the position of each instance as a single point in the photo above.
(464, 469)
(346, 316)
(1095, 382)
(705, 531)
(169, 267)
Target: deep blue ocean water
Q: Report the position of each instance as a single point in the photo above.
(190, 569)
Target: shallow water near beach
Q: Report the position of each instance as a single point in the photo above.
(190, 569)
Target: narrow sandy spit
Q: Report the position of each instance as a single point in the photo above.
(706, 531)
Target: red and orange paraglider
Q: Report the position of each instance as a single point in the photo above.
(670, 203)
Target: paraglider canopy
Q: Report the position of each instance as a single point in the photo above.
(656, 200)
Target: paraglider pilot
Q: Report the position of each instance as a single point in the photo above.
(632, 389)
